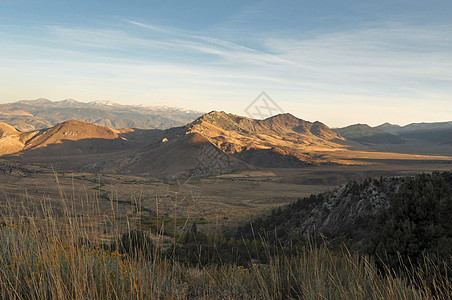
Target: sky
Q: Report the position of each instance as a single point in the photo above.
(339, 62)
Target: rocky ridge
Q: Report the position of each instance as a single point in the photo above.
(345, 212)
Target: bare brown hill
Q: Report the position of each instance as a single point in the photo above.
(72, 139)
(279, 141)
(233, 133)
(72, 130)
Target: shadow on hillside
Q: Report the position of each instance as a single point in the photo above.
(74, 154)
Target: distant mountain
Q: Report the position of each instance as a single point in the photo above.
(363, 133)
(415, 127)
(436, 133)
(30, 115)
(388, 127)
(440, 132)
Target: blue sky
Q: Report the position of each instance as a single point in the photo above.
(340, 62)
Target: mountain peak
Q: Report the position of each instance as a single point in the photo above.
(42, 100)
(217, 118)
(104, 103)
(285, 119)
(35, 102)
(284, 116)
(75, 123)
(68, 102)
(218, 113)
(358, 125)
(389, 127)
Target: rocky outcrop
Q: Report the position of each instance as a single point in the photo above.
(350, 209)
(346, 212)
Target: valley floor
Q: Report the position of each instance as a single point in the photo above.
(216, 202)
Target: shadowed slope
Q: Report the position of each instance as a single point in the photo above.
(68, 138)
(191, 153)
(70, 130)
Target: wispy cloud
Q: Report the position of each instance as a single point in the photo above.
(103, 38)
(386, 58)
(147, 26)
(227, 50)
(352, 68)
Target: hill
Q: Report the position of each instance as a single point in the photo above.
(30, 115)
(9, 139)
(68, 138)
(363, 133)
(279, 141)
(260, 133)
(6, 130)
(219, 142)
(394, 218)
(215, 143)
(347, 211)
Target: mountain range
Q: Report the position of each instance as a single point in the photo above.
(214, 143)
(386, 133)
(414, 127)
(42, 113)
(217, 142)
(28, 115)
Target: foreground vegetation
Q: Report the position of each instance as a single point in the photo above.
(414, 219)
(48, 266)
(45, 256)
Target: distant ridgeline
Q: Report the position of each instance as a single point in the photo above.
(410, 216)
(41, 113)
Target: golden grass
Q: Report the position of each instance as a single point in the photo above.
(42, 257)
